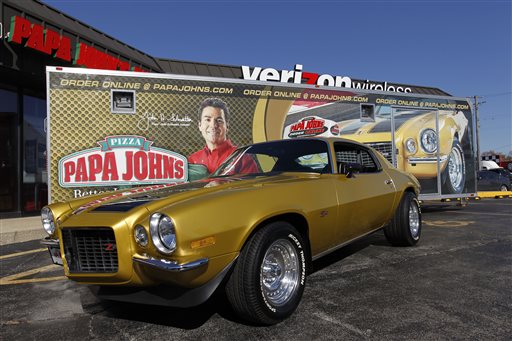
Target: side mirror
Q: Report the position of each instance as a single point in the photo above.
(349, 168)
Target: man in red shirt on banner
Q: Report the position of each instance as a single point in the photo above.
(213, 125)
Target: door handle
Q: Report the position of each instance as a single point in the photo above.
(388, 182)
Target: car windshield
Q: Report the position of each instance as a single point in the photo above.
(278, 156)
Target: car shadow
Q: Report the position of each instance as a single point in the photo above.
(183, 318)
(441, 207)
(376, 239)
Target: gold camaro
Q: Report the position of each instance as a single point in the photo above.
(252, 228)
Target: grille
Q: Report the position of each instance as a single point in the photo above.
(385, 148)
(90, 250)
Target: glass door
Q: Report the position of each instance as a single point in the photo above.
(8, 151)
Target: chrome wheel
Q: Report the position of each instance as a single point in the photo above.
(503, 188)
(456, 168)
(280, 272)
(414, 220)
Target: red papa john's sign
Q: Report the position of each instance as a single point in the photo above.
(52, 43)
(122, 160)
(311, 126)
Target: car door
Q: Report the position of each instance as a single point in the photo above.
(484, 181)
(365, 197)
(495, 181)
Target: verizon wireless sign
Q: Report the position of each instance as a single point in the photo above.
(122, 160)
(298, 76)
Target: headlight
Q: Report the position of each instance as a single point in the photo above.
(140, 235)
(410, 145)
(48, 220)
(429, 140)
(162, 232)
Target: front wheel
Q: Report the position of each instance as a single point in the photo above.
(503, 188)
(455, 171)
(405, 227)
(268, 280)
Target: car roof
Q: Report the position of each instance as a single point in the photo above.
(326, 139)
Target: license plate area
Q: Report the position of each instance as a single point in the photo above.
(55, 254)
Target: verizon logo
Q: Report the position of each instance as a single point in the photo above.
(298, 76)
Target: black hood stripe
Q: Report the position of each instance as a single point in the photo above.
(123, 206)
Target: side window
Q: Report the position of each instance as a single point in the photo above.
(486, 175)
(369, 165)
(494, 176)
(317, 161)
(265, 162)
(353, 154)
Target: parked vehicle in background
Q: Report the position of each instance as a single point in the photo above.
(488, 164)
(506, 164)
(503, 172)
(493, 180)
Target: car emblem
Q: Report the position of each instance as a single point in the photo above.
(110, 247)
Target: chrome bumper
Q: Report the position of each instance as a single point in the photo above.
(167, 265)
(415, 160)
(50, 242)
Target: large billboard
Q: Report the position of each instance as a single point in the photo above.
(111, 130)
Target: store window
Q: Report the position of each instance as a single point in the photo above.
(8, 151)
(34, 184)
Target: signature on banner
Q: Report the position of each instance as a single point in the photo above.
(148, 120)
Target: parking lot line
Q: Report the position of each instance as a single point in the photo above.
(484, 213)
(495, 203)
(447, 223)
(19, 278)
(22, 253)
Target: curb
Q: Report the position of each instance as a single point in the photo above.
(483, 195)
(21, 236)
(19, 230)
(494, 195)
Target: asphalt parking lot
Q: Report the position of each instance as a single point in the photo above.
(456, 284)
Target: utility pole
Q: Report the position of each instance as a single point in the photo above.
(476, 103)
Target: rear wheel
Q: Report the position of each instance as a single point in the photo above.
(268, 280)
(503, 188)
(405, 227)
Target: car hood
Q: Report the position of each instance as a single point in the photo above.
(124, 201)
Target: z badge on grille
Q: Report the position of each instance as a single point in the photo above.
(110, 247)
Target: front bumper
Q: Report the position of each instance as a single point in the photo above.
(166, 265)
(423, 167)
(163, 295)
(139, 269)
(426, 160)
(153, 263)
(50, 242)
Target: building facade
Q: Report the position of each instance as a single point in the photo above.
(32, 36)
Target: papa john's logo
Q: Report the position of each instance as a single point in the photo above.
(311, 126)
(122, 160)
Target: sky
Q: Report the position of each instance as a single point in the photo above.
(461, 47)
